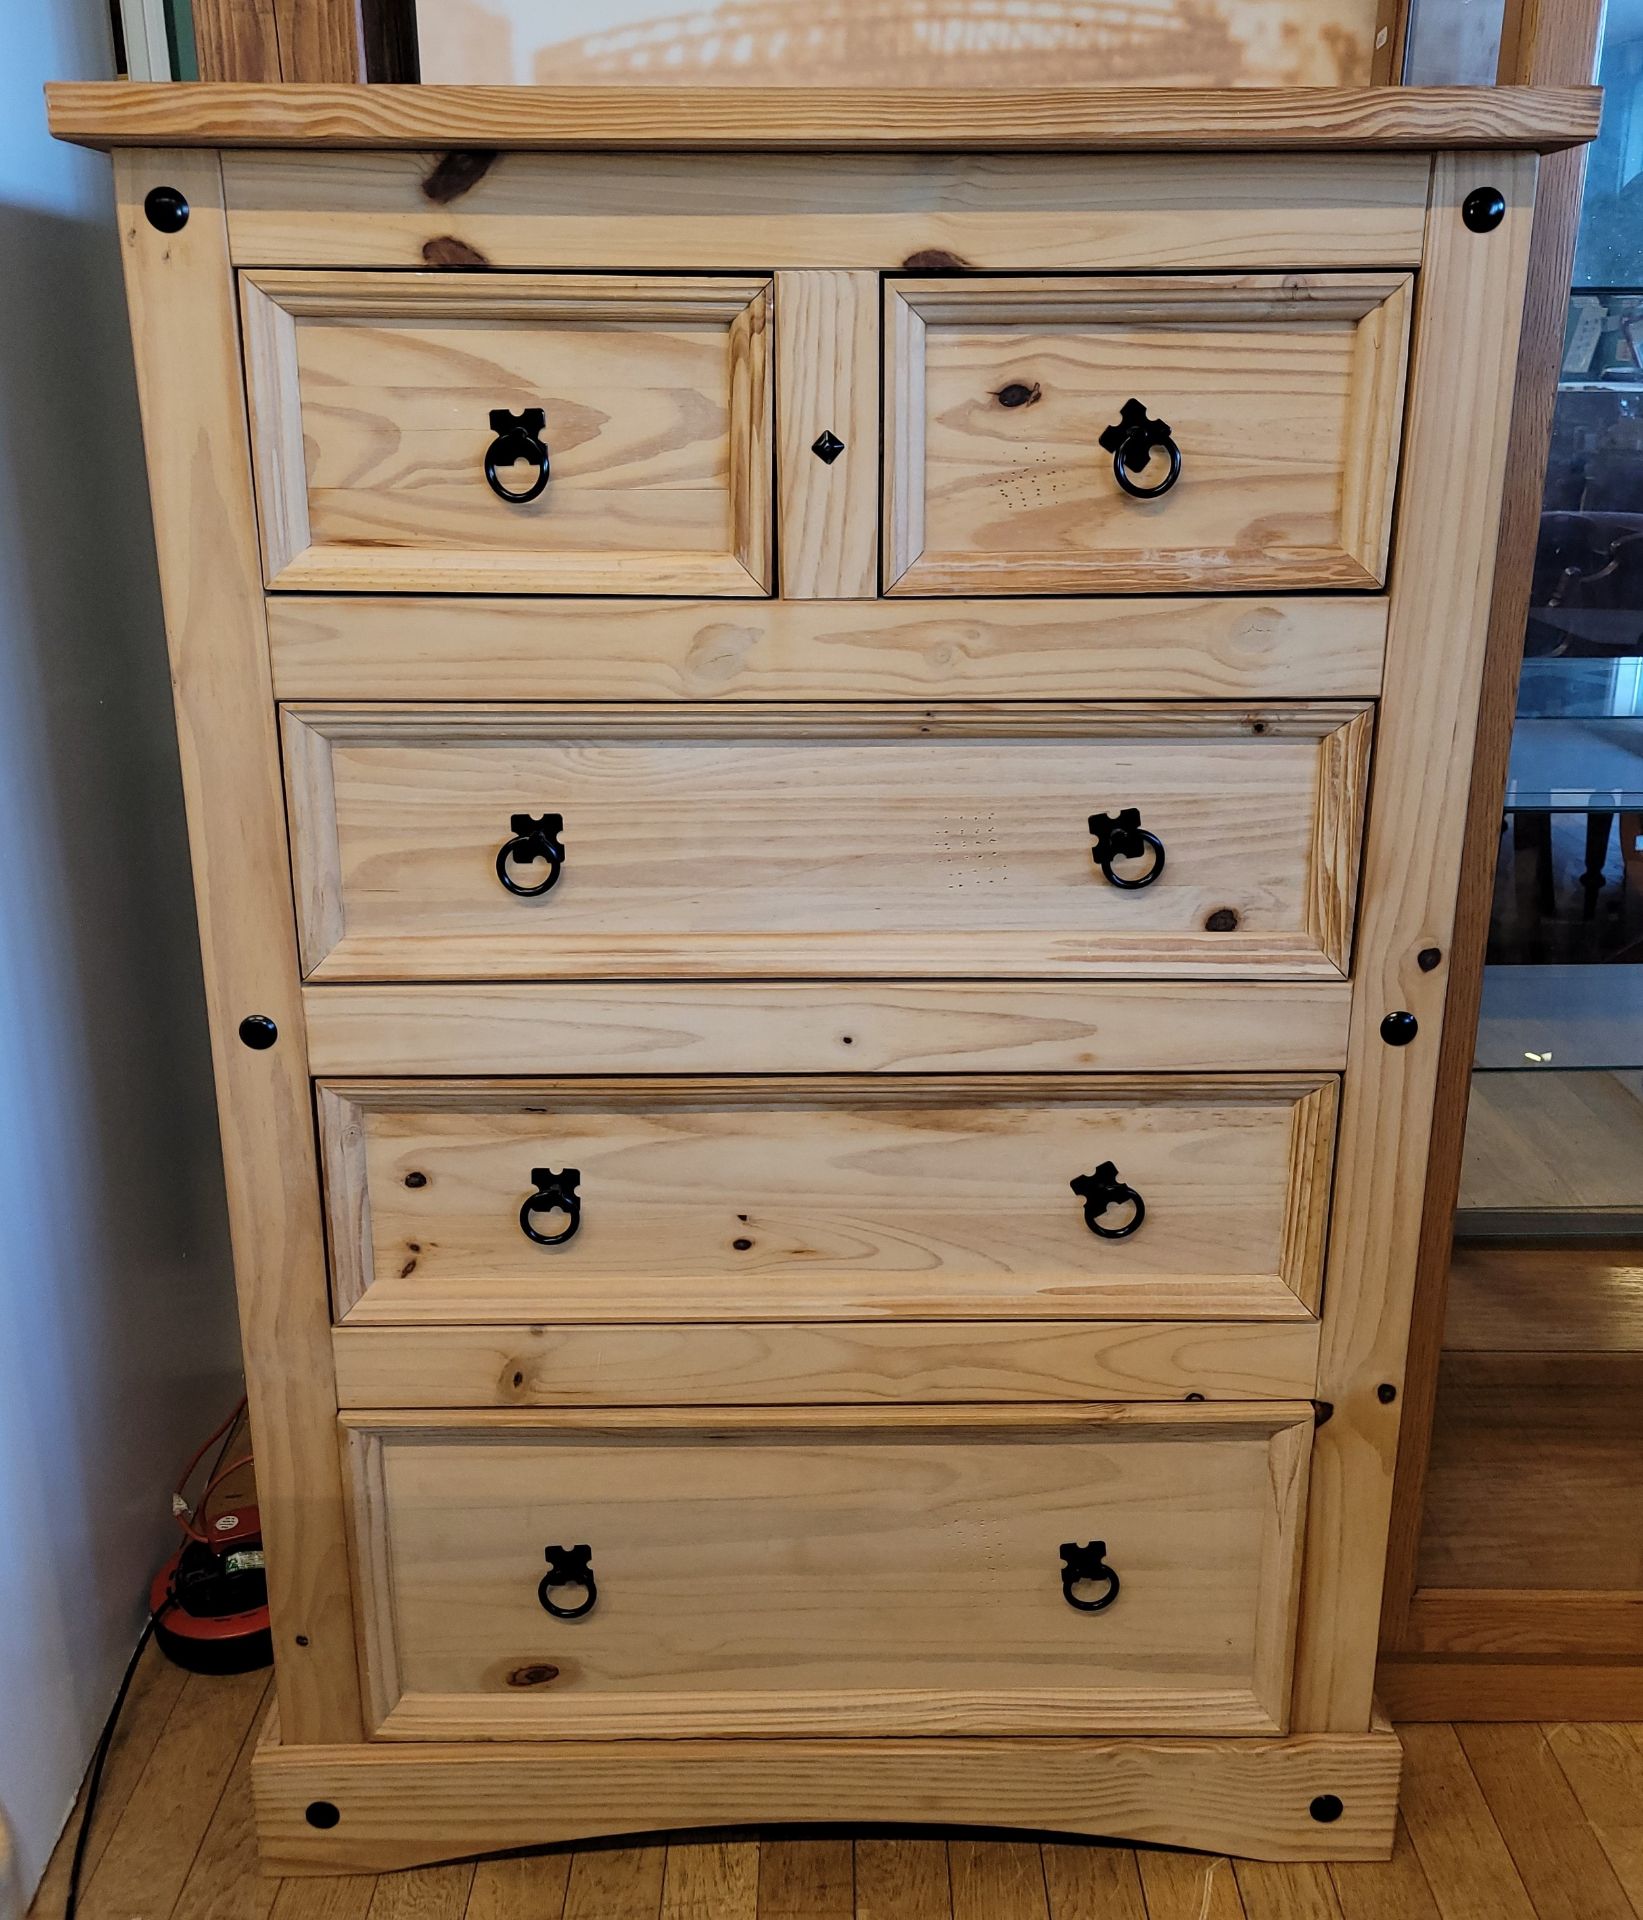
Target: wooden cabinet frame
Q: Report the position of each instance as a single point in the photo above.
(1252, 1794)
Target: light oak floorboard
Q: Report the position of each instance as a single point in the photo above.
(806, 1879)
(1466, 1861)
(902, 1879)
(155, 1690)
(520, 1887)
(1190, 1886)
(711, 1880)
(1395, 1890)
(152, 1848)
(225, 1882)
(615, 1883)
(997, 1880)
(1303, 1891)
(1558, 1857)
(1604, 1767)
(432, 1893)
(326, 1897)
(1093, 1883)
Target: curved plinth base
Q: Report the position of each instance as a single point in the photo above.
(399, 1804)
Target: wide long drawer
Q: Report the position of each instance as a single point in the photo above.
(1131, 1570)
(1056, 1198)
(472, 843)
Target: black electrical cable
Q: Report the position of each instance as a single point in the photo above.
(94, 1779)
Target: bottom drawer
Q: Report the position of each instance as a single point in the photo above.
(829, 1571)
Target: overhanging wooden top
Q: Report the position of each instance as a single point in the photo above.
(1081, 119)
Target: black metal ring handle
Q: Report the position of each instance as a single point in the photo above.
(518, 437)
(1087, 1563)
(1121, 836)
(535, 837)
(555, 1193)
(1131, 442)
(1103, 1189)
(568, 1567)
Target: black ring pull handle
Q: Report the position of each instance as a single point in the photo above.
(1087, 1563)
(1121, 836)
(1131, 441)
(1103, 1189)
(518, 437)
(535, 837)
(568, 1567)
(555, 1193)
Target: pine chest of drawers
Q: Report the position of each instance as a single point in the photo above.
(826, 742)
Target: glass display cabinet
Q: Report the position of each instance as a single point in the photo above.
(1532, 1536)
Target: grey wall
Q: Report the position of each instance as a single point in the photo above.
(117, 1347)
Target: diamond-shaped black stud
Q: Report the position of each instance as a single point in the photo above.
(828, 448)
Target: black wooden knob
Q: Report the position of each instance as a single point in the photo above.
(258, 1032)
(1483, 209)
(166, 209)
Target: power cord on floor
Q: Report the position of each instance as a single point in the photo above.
(94, 1778)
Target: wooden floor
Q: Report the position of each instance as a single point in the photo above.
(1501, 1823)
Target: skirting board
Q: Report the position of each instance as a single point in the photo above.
(403, 1805)
(1492, 1687)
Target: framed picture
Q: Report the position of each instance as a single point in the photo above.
(1002, 43)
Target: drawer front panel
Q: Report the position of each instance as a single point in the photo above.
(1019, 413)
(840, 1199)
(627, 420)
(826, 842)
(829, 1572)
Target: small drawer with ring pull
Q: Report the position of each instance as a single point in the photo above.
(1072, 434)
(512, 433)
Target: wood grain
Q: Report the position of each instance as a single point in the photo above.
(879, 1363)
(371, 398)
(1537, 1463)
(1544, 1300)
(1557, 1856)
(1466, 328)
(189, 381)
(849, 1198)
(403, 1805)
(827, 382)
(405, 647)
(1012, 213)
(838, 841)
(777, 1027)
(1284, 395)
(1091, 119)
(772, 1571)
(1455, 1837)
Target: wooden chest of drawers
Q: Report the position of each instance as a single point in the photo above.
(826, 743)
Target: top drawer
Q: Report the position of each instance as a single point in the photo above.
(627, 423)
(1141, 434)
